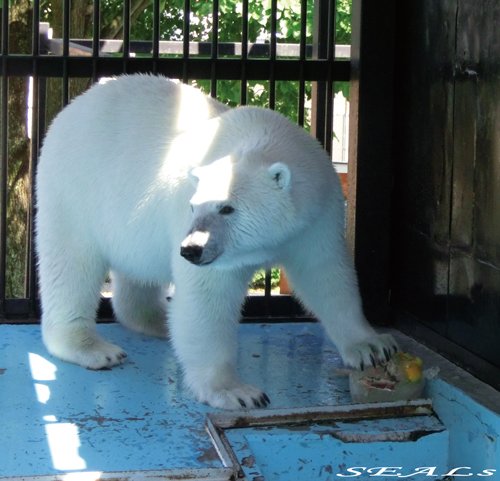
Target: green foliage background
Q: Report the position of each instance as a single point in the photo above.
(229, 30)
(141, 28)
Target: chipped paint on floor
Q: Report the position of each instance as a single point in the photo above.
(59, 418)
(323, 452)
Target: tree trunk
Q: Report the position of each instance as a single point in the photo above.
(18, 162)
(80, 27)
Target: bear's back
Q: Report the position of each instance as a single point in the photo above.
(116, 116)
(103, 152)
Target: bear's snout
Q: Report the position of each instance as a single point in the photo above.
(193, 247)
(192, 253)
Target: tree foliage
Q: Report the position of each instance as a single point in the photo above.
(230, 24)
(201, 21)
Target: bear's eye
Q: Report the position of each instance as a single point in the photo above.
(226, 210)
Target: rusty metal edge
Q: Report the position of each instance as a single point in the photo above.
(217, 423)
(221, 445)
(278, 417)
(209, 474)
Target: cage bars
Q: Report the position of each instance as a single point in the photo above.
(4, 154)
(36, 125)
(96, 25)
(328, 121)
(244, 52)
(185, 40)
(302, 58)
(216, 60)
(215, 48)
(65, 52)
(322, 92)
(156, 35)
(126, 33)
(272, 57)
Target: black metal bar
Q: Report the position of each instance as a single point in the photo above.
(31, 281)
(227, 69)
(328, 121)
(156, 34)
(185, 40)
(66, 37)
(302, 57)
(30, 276)
(5, 27)
(272, 105)
(96, 34)
(36, 30)
(371, 143)
(215, 48)
(256, 308)
(17, 310)
(65, 28)
(174, 47)
(126, 34)
(320, 51)
(4, 156)
(303, 31)
(244, 52)
(330, 48)
(267, 287)
(272, 55)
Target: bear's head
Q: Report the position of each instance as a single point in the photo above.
(240, 211)
(267, 183)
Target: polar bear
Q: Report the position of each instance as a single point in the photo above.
(157, 183)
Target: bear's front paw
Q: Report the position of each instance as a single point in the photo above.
(83, 347)
(372, 351)
(102, 355)
(219, 386)
(235, 397)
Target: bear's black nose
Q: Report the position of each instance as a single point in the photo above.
(192, 253)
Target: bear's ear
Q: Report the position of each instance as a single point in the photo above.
(281, 175)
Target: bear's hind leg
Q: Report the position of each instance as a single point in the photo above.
(70, 283)
(142, 308)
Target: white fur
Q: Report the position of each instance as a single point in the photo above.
(138, 167)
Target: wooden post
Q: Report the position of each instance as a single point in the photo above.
(370, 154)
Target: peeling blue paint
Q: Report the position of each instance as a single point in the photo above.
(319, 452)
(138, 416)
(59, 418)
(474, 430)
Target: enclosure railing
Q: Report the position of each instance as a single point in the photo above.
(320, 64)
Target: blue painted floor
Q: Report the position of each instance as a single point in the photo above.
(322, 452)
(58, 417)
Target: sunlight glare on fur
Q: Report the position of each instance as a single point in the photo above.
(190, 101)
(192, 145)
(215, 183)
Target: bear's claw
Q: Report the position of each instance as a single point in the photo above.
(94, 359)
(84, 347)
(236, 397)
(374, 351)
(262, 402)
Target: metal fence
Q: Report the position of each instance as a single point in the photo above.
(34, 59)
